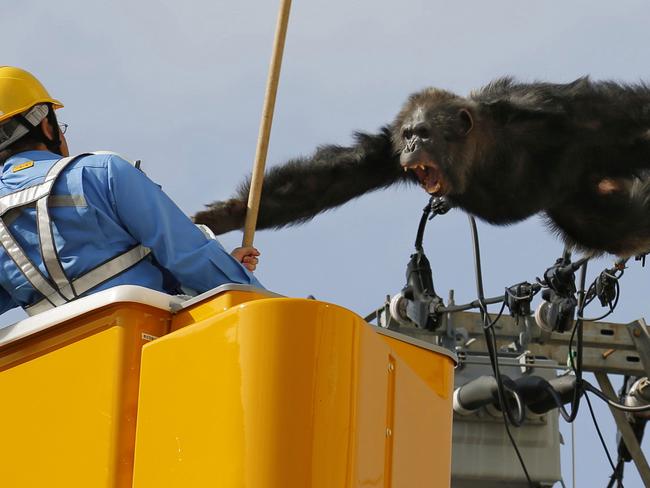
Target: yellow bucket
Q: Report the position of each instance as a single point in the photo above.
(69, 383)
(247, 391)
(291, 393)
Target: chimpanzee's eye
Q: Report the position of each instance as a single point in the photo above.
(422, 132)
(407, 134)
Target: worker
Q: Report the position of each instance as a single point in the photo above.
(72, 226)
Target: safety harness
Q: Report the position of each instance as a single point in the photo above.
(57, 289)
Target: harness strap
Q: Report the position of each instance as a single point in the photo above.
(38, 193)
(78, 201)
(97, 276)
(49, 253)
(31, 272)
(57, 290)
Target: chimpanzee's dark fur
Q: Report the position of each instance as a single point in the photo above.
(576, 152)
(298, 190)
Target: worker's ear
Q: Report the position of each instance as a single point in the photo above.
(47, 129)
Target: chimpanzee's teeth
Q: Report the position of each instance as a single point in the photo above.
(416, 166)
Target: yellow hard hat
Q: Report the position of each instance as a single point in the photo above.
(20, 91)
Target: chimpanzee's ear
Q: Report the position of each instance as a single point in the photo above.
(466, 121)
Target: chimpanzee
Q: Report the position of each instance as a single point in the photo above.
(577, 152)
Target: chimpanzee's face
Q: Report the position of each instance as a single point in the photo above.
(430, 134)
(421, 151)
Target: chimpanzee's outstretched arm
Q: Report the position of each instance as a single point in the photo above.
(300, 189)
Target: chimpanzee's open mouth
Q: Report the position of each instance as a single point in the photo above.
(430, 177)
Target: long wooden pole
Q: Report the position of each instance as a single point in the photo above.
(265, 126)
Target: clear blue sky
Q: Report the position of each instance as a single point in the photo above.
(180, 86)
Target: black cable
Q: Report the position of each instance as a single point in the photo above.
(595, 319)
(625, 408)
(585, 298)
(612, 305)
(491, 344)
(471, 305)
(527, 297)
(576, 365)
(577, 333)
(558, 402)
(499, 315)
(619, 471)
(487, 326)
(600, 434)
(435, 206)
(478, 273)
(617, 475)
(423, 223)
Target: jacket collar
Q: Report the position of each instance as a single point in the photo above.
(25, 156)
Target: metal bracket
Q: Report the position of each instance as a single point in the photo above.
(609, 347)
(527, 362)
(625, 429)
(641, 337)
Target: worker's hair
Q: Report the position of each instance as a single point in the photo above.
(30, 140)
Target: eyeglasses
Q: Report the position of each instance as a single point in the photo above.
(64, 127)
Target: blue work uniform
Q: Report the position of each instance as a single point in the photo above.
(101, 206)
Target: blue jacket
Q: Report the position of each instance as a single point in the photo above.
(106, 207)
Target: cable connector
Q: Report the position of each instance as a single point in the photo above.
(439, 206)
(605, 288)
(519, 297)
(557, 312)
(417, 302)
(641, 257)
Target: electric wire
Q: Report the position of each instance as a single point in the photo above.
(625, 408)
(577, 333)
(499, 315)
(471, 305)
(573, 455)
(576, 365)
(491, 343)
(583, 386)
(487, 327)
(575, 355)
(558, 402)
(600, 434)
(617, 474)
(591, 295)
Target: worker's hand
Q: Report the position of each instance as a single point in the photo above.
(247, 256)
